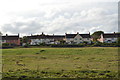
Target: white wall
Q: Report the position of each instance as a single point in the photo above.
(78, 39)
(110, 40)
(68, 40)
(38, 41)
(87, 40)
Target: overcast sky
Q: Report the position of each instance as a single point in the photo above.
(58, 16)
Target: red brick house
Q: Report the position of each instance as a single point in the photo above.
(11, 39)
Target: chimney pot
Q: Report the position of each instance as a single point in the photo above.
(18, 34)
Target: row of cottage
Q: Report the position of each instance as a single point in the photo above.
(55, 39)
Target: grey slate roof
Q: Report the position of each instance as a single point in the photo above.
(82, 35)
(14, 37)
(111, 35)
(46, 36)
(117, 35)
(70, 35)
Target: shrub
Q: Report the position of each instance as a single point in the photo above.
(26, 45)
(67, 45)
(85, 42)
(5, 44)
(97, 44)
(42, 44)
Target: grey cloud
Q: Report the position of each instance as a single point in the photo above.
(71, 19)
(31, 27)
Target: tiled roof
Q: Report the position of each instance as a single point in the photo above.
(59, 36)
(111, 35)
(85, 35)
(45, 36)
(70, 35)
(10, 37)
(82, 35)
(117, 34)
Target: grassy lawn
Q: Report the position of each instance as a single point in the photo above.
(87, 62)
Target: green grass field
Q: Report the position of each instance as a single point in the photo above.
(87, 62)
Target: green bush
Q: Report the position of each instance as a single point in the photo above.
(85, 42)
(5, 44)
(97, 44)
(26, 45)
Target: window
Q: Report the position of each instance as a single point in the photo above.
(109, 41)
(80, 38)
(81, 42)
(112, 38)
(2, 40)
(75, 38)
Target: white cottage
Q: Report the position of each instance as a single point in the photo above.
(77, 38)
(47, 39)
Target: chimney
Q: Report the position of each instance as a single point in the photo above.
(6, 35)
(89, 33)
(77, 32)
(31, 34)
(42, 33)
(114, 32)
(18, 34)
